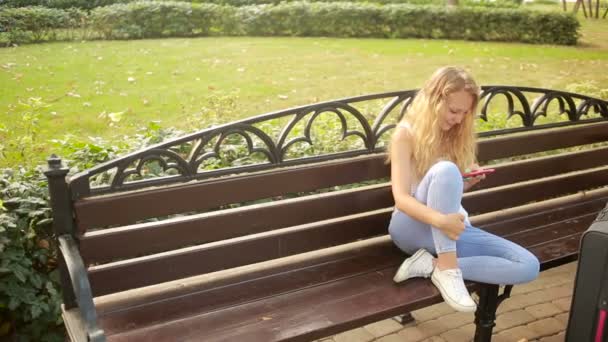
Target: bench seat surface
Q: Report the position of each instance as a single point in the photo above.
(327, 297)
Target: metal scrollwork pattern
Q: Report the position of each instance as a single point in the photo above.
(341, 110)
(199, 155)
(260, 143)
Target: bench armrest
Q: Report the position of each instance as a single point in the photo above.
(82, 291)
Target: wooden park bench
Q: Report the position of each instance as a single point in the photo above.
(251, 231)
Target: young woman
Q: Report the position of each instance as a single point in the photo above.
(429, 151)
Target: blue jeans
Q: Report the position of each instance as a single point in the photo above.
(482, 256)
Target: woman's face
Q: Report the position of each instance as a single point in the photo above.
(457, 106)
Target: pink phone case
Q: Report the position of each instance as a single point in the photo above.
(478, 172)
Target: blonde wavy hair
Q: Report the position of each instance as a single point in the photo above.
(430, 142)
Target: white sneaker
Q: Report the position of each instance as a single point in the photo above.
(418, 265)
(450, 284)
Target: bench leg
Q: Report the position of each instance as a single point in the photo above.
(486, 310)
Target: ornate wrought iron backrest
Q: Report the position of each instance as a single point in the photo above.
(181, 159)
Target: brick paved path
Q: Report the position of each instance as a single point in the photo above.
(537, 311)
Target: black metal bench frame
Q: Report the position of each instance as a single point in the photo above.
(75, 200)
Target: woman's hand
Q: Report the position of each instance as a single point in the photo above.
(452, 225)
(471, 182)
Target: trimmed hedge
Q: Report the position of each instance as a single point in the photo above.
(90, 4)
(149, 19)
(465, 3)
(163, 19)
(35, 24)
(175, 19)
(82, 4)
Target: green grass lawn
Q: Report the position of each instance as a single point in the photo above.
(189, 83)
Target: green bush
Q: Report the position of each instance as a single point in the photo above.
(83, 4)
(464, 3)
(340, 19)
(589, 88)
(239, 3)
(490, 3)
(34, 24)
(30, 294)
(151, 19)
(29, 283)
(90, 4)
(162, 19)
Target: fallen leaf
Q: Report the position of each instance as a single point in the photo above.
(115, 117)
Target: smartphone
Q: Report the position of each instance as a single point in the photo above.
(477, 172)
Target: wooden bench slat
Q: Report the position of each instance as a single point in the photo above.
(553, 231)
(558, 252)
(543, 210)
(536, 190)
(519, 171)
(508, 226)
(539, 141)
(100, 246)
(125, 208)
(117, 243)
